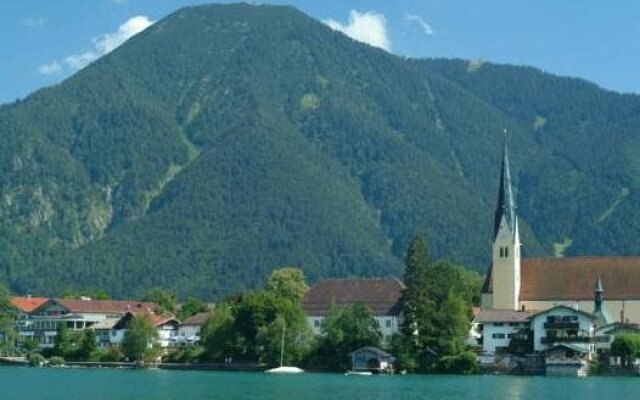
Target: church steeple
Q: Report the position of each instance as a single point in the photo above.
(503, 288)
(598, 296)
(506, 206)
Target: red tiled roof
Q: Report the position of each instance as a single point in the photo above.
(382, 295)
(105, 306)
(574, 278)
(199, 319)
(28, 303)
(156, 319)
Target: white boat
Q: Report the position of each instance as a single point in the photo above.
(283, 369)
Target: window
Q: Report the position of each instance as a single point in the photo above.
(389, 323)
(501, 252)
(498, 336)
(506, 252)
(316, 323)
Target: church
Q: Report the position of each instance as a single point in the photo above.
(519, 283)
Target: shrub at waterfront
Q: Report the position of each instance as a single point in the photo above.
(139, 343)
(345, 329)
(249, 327)
(627, 347)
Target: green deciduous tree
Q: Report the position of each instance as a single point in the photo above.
(219, 336)
(140, 340)
(166, 300)
(191, 307)
(88, 345)
(344, 330)
(287, 282)
(63, 343)
(8, 334)
(627, 347)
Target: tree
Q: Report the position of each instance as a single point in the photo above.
(191, 307)
(436, 304)
(297, 337)
(627, 347)
(521, 342)
(346, 329)
(219, 336)
(139, 343)
(29, 345)
(418, 306)
(166, 300)
(5, 300)
(63, 342)
(287, 282)
(87, 344)
(8, 334)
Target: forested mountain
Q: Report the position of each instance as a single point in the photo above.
(227, 140)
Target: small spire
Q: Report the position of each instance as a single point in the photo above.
(598, 298)
(598, 287)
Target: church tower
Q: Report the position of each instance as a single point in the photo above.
(505, 269)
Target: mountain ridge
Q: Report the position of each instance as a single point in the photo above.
(227, 140)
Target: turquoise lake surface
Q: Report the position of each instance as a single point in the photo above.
(110, 384)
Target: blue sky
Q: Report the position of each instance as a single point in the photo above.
(46, 41)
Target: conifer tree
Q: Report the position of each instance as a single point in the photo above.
(416, 302)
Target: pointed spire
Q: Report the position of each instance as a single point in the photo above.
(598, 297)
(598, 287)
(506, 203)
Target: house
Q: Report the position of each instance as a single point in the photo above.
(372, 359)
(24, 306)
(77, 314)
(563, 325)
(189, 331)
(166, 326)
(514, 282)
(104, 332)
(495, 328)
(381, 295)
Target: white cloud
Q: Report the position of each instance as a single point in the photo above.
(368, 27)
(33, 22)
(426, 28)
(101, 45)
(51, 68)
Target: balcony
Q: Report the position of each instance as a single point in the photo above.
(565, 339)
(561, 325)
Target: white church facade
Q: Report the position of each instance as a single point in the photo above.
(534, 284)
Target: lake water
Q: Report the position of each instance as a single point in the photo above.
(109, 384)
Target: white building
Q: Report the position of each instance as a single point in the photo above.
(381, 295)
(166, 326)
(189, 331)
(42, 322)
(563, 325)
(495, 328)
